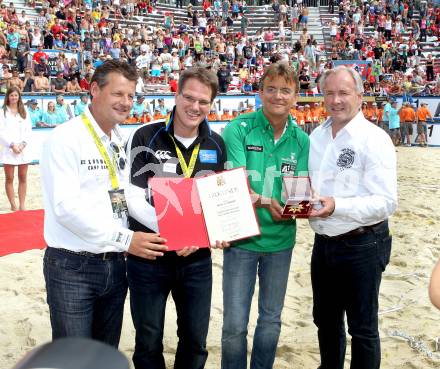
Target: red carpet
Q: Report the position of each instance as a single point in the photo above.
(21, 231)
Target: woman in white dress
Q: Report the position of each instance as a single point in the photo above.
(15, 134)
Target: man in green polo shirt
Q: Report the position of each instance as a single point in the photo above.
(270, 145)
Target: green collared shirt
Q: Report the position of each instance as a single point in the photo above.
(250, 142)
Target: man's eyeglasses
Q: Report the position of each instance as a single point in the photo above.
(191, 100)
(285, 92)
(119, 156)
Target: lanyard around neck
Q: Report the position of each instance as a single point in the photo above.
(187, 169)
(111, 167)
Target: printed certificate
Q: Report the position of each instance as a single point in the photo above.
(227, 206)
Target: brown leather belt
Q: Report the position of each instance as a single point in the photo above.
(355, 232)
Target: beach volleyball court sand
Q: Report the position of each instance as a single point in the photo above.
(409, 325)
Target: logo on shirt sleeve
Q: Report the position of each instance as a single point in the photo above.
(254, 148)
(208, 156)
(346, 159)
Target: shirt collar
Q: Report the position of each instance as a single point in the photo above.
(351, 127)
(266, 124)
(95, 125)
(204, 129)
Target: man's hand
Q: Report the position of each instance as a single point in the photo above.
(187, 250)
(147, 245)
(221, 245)
(276, 210)
(274, 207)
(327, 209)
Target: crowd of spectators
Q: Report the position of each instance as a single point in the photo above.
(393, 37)
(114, 29)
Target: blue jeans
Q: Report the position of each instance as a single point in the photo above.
(85, 295)
(346, 276)
(190, 282)
(240, 269)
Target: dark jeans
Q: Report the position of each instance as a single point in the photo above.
(190, 282)
(346, 276)
(85, 295)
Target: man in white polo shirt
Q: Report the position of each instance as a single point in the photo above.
(84, 173)
(353, 168)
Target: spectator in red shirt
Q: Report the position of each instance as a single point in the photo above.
(172, 82)
(39, 54)
(85, 82)
(57, 28)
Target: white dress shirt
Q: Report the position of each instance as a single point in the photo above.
(75, 181)
(358, 169)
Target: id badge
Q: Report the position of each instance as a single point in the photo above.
(119, 204)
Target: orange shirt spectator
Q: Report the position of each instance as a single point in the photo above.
(324, 113)
(300, 116)
(365, 110)
(423, 113)
(371, 114)
(250, 108)
(379, 114)
(146, 117)
(407, 114)
(316, 113)
(158, 115)
(131, 120)
(226, 115)
(308, 116)
(293, 112)
(374, 113)
(213, 116)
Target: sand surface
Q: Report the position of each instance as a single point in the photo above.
(409, 325)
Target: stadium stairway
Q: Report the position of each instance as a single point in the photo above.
(21, 5)
(260, 17)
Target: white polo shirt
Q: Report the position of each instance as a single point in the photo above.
(358, 169)
(75, 181)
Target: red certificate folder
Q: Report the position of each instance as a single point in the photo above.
(229, 213)
(179, 214)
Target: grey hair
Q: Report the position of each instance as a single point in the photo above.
(354, 74)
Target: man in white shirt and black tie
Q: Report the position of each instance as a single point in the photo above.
(353, 170)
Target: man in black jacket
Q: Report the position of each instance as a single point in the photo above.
(180, 146)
